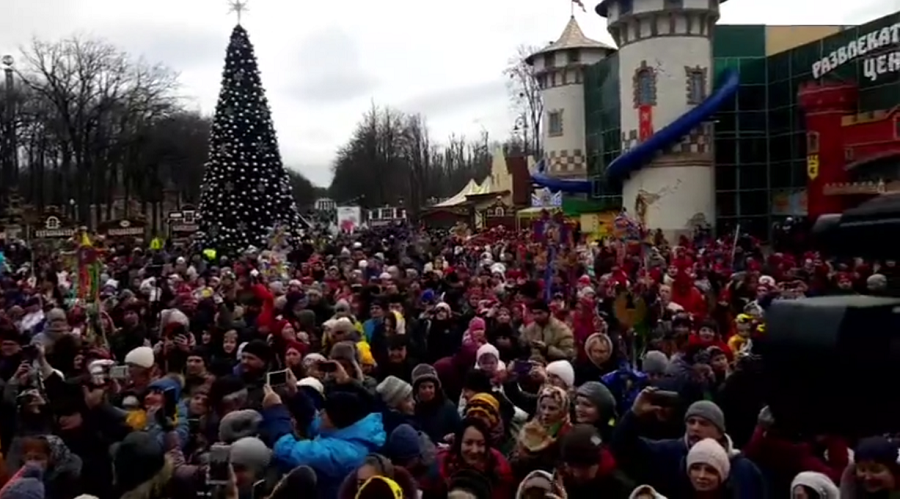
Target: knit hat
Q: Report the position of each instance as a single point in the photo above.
(599, 396)
(313, 383)
(655, 362)
(710, 452)
(818, 482)
(472, 482)
(581, 446)
(344, 350)
(258, 348)
(138, 458)
(425, 372)
(563, 370)
(239, 424)
(298, 482)
(312, 359)
(708, 411)
(877, 449)
(141, 357)
(403, 444)
(26, 484)
(250, 452)
(393, 391)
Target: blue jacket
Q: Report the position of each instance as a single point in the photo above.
(625, 384)
(331, 453)
(665, 463)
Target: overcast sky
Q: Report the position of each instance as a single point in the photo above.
(323, 62)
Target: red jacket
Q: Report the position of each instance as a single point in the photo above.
(691, 299)
(791, 458)
(266, 314)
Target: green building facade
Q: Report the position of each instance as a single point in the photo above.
(760, 136)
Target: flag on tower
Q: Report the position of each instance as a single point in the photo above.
(580, 4)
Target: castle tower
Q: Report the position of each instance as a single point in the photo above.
(665, 70)
(559, 69)
(825, 105)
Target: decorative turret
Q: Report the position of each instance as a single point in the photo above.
(559, 69)
(665, 71)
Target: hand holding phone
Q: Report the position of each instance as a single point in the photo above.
(219, 470)
(118, 372)
(170, 403)
(276, 378)
(664, 398)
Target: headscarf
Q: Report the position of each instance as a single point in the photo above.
(537, 435)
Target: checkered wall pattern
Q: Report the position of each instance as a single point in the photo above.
(699, 141)
(565, 161)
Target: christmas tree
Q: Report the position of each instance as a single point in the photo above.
(246, 192)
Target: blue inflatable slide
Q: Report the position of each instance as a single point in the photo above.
(638, 156)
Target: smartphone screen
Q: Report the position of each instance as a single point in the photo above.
(276, 378)
(259, 489)
(523, 367)
(219, 472)
(171, 402)
(665, 398)
(118, 372)
(328, 366)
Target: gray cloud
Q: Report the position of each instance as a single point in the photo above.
(457, 99)
(51, 17)
(329, 69)
(180, 48)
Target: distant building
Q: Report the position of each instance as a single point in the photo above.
(325, 204)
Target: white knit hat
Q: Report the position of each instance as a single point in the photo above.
(710, 452)
(312, 383)
(141, 357)
(563, 370)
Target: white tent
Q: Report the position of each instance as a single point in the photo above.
(471, 188)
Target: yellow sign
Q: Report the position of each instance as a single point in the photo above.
(812, 166)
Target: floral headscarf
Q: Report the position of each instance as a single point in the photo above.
(536, 435)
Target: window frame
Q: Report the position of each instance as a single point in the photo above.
(696, 86)
(812, 142)
(555, 131)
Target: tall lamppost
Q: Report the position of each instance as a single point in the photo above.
(9, 139)
(521, 126)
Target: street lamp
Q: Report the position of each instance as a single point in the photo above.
(10, 157)
(521, 126)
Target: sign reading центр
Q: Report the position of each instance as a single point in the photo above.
(883, 47)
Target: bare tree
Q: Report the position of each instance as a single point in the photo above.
(525, 97)
(390, 157)
(98, 104)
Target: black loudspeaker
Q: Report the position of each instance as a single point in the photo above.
(831, 365)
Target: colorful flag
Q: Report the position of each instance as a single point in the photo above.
(580, 4)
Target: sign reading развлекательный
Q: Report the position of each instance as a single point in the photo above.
(882, 47)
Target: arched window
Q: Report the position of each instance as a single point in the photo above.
(499, 211)
(646, 89)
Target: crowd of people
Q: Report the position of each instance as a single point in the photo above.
(406, 364)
